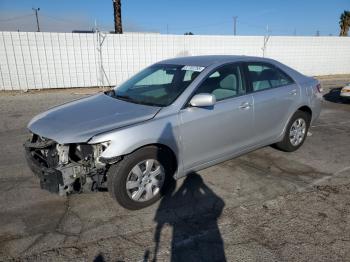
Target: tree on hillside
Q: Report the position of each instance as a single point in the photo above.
(188, 33)
(117, 7)
(344, 23)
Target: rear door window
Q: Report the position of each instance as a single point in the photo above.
(264, 76)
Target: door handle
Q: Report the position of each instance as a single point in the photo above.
(245, 105)
(293, 92)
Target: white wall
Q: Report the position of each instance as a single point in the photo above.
(31, 60)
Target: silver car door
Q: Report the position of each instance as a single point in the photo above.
(275, 97)
(208, 134)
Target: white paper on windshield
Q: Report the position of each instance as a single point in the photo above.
(193, 68)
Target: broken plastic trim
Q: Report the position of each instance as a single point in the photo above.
(109, 160)
(39, 145)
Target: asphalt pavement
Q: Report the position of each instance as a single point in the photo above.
(267, 205)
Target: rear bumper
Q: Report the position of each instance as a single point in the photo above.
(50, 178)
(316, 102)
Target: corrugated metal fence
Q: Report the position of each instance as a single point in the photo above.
(31, 60)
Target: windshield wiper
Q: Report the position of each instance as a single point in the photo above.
(129, 99)
(124, 97)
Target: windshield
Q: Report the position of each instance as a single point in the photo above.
(158, 85)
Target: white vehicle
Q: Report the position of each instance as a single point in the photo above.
(345, 91)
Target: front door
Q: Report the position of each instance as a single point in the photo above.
(208, 134)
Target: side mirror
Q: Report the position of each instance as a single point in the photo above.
(203, 100)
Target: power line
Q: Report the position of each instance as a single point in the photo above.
(59, 19)
(15, 18)
(251, 25)
(201, 26)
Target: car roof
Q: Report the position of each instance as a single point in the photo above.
(207, 60)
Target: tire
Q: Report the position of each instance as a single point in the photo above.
(119, 174)
(286, 144)
(345, 100)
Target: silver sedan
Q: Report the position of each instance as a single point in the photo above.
(175, 117)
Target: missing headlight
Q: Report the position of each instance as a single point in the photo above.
(80, 152)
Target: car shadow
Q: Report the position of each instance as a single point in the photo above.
(334, 96)
(192, 212)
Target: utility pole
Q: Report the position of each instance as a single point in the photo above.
(235, 25)
(37, 18)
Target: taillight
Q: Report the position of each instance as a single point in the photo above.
(319, 88)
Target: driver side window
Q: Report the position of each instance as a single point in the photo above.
(224, 83)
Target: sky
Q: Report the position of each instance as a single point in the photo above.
(203, 17)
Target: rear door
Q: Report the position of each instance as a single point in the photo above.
(275, 96)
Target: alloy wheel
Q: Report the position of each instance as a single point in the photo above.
(145, 180)
(297, 132)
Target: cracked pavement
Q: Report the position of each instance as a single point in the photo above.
(264, 206)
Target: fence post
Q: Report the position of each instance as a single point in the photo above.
(70, 75)
(31, 60)
(75, 62)
(53, 58)
(7, 62)
(14, 55)
(24, 64)
(47, 62)
(60, 51)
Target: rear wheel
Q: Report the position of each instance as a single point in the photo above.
(296, 132)
(140, 179)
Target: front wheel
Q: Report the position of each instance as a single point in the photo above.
(140, 178)
(296, 132)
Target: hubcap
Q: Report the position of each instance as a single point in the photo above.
(145, 180)
(297, 132)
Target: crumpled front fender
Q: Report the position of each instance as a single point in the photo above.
(126, 140)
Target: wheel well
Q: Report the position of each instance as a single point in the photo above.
(306, 109)
(166, 149)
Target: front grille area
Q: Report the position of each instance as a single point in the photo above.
(41, 156)
(67, 168)
(43, 150)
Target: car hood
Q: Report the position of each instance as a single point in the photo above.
(78, 121)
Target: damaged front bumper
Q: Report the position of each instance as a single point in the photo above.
(50, 178)
(66, 169)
